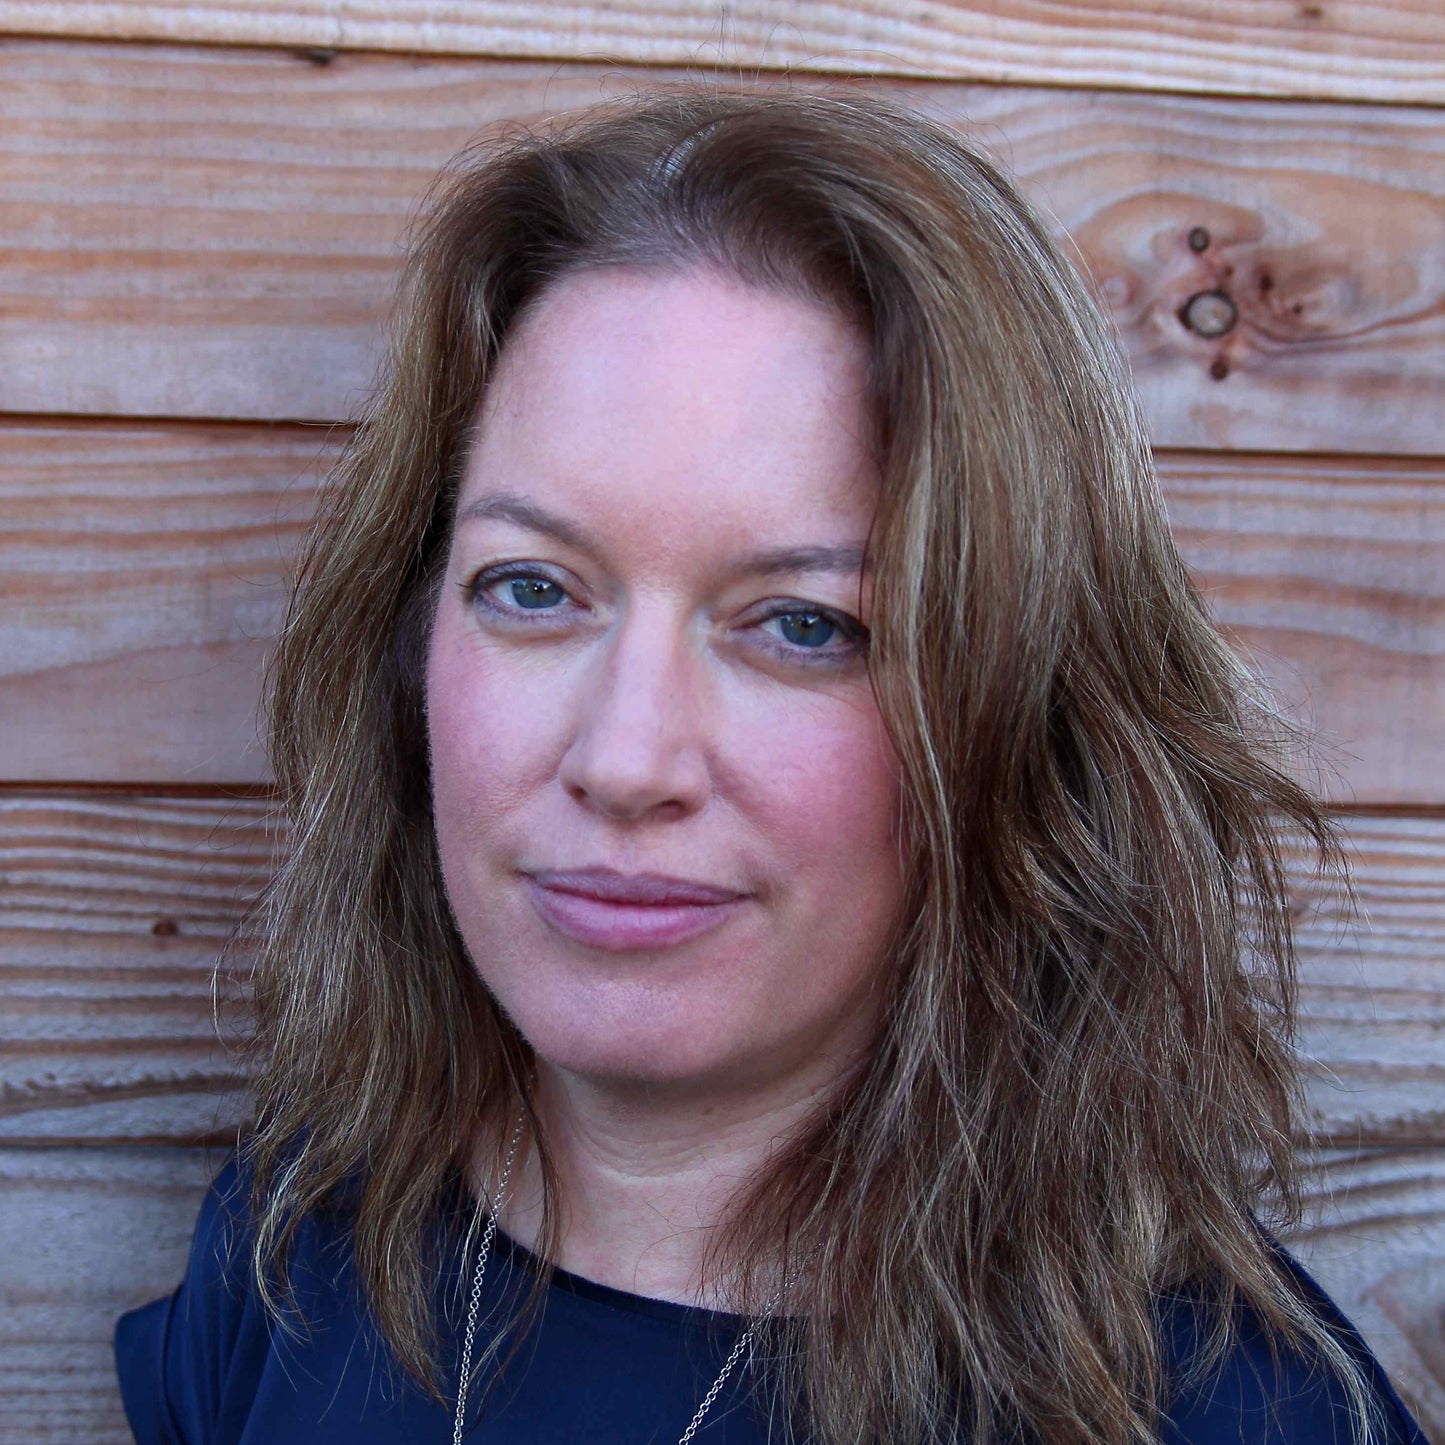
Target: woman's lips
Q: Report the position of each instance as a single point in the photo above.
(622, 927)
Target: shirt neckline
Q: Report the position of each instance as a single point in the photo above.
(689, 1316)
(695, 1317)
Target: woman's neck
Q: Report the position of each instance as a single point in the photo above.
(646, 1175)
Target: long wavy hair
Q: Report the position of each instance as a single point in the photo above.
(1084, 1093)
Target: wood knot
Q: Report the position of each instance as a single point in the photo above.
(316, 54)
(165, 928)
(1198, 238)
(1209, 313)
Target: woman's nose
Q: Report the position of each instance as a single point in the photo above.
(638, 743)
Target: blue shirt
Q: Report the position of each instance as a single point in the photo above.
(207, 1366)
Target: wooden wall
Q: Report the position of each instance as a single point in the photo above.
(200, 211)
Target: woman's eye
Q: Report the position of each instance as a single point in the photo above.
(514, 590)
(533, 592)
(805, 629)
(830, 638)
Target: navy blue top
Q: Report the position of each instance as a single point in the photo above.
(206, 1365)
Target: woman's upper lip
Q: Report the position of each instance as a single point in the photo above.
(615, 887)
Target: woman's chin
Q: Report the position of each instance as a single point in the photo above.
(657, 1053)
(655, 1062)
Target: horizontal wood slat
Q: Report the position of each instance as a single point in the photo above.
(145, 569)
(118, 904)
(194, 232)
(116, 908)
(85, 1234)
(1346, 50)
(1373, 988)
(1375, 1239)
(88, 1233)
(144, 575)
(1329, 574)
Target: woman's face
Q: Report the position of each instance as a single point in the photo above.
(645, 661)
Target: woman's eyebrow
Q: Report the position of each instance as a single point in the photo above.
(775, 561)
(845, 557)
(509, 507)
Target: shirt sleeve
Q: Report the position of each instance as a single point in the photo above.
(179, 1358)
(1255, 1400)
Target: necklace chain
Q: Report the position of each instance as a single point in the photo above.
(484, 1250)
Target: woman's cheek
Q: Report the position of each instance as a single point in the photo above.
(492, 716)
(824, 772)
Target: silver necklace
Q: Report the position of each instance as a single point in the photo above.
(485, 1249)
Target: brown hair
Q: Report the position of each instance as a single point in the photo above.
(1084, 1091)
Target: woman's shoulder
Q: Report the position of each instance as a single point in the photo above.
(187, 1363)
(1263, 1391)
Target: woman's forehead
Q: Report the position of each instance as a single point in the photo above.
(689, 397)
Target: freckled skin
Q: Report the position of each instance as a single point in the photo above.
(649, 717)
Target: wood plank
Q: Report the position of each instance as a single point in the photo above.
(1373, 989)
(192, 232)
(85, 1234)
(116, 909)
(145, 572)
(145, 569)
(1330, 575)
(117, 905)
(1353, 50)
(1375, 1239)
(88, 1233)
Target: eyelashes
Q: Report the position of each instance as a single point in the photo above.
(479, 591)
(547, 590)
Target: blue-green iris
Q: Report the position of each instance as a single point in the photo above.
(534, 592)
(815, 629)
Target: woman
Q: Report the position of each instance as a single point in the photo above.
(784, 934)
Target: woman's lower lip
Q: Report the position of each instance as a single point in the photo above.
(626, 926)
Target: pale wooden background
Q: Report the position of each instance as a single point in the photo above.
(200, 213)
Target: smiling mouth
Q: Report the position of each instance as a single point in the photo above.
(624, 926)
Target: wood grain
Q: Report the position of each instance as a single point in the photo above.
(144, 578)
(85, 1234)
(116, 906)
(1373, 985)
(213, 233)
(1375, 1239)
(115, 909)
(1345, 50)
(1329, 575)
(88, 1233)
(145, 568)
